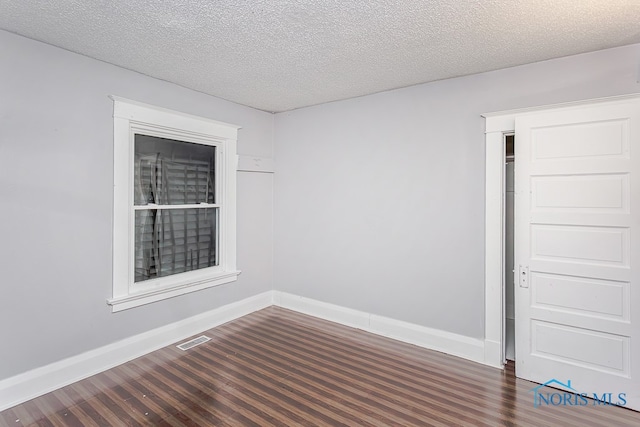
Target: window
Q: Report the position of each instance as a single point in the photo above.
(174, 204)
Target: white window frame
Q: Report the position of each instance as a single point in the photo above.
(131, 118)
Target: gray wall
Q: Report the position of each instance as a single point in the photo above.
(379, 202)
(379, 199)
(56, 180)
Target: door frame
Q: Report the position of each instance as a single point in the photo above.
(497, 125)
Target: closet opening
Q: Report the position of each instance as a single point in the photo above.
(509, 233)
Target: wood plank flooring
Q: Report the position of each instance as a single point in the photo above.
(277, 367)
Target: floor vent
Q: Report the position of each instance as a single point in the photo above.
(192, 343)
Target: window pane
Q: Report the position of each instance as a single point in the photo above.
(173, 241)
(170, 172)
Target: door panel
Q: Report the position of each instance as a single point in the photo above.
(602, 245)
(566, 344)
(570, 141)
(577, 247)
(556, 292)
(597, 193)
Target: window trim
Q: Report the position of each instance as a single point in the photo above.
(129, 118)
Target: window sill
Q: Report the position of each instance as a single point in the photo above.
(149, 296)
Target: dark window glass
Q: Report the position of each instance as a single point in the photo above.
(171, 241)
(169, 172)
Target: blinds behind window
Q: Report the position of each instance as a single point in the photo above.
(171, 241)
(174, 241)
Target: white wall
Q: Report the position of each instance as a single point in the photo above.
(379, 202)
(56, 180)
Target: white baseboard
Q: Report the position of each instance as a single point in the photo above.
(433, 339)
(333, 313)
(39, 381)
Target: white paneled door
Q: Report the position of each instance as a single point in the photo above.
(578, 249)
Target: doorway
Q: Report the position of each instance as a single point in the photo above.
(574, 244)
(509, 240)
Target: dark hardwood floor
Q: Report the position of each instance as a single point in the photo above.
(277, 367)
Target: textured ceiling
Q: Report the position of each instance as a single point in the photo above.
(283, 54)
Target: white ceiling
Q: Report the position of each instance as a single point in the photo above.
(277, 55)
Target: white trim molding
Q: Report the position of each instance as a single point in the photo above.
(130, 120)
(39, 381)
(494, 247)
(497, 125)
(422, 336)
